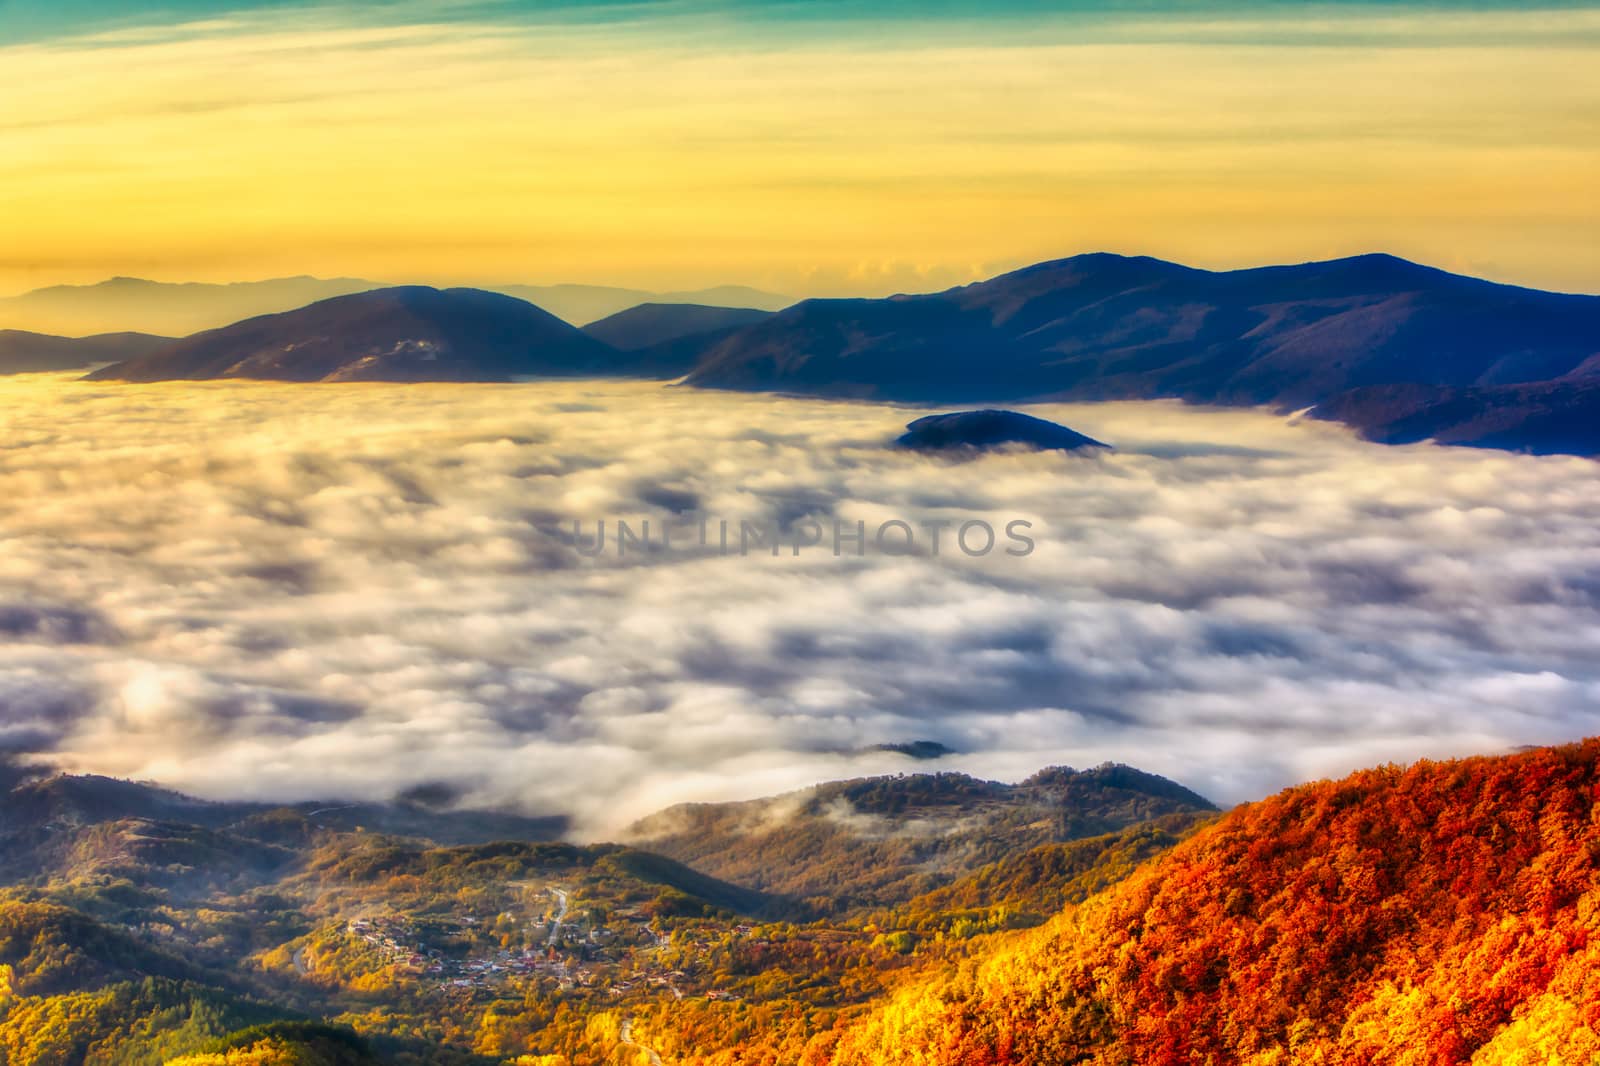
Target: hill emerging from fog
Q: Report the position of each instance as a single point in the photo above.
(404, 334)
(22, 352)
(1099, 327)
(975, 431)
(873, 840)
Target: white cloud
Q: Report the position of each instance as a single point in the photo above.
(286, 592)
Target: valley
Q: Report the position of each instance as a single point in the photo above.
(484, 949)
(557, 954)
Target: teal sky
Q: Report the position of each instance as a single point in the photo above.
(1263, 21)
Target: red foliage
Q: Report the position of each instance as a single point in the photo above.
(1422, 914)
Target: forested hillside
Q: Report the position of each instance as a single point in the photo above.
(142, 926)
(1445, 913)
(1441, 913)
(885, 839)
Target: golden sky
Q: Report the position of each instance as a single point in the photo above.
(861, 157)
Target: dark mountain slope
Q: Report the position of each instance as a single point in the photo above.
(651, 324)
(1110, 327)
(906, 348)
(1444, 913)
(1545, 418)
(664, 340)
(27, 353)
(403, 334)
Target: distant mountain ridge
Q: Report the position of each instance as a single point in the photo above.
(1399, 351)
(174, 309)
(585, 304)
(22, 352)
(1102, 327)
(178, 309)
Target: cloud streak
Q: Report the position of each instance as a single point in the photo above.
(285, 592)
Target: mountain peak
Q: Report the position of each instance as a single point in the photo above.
(404, 333)
(1096, 264)
(1380, 265)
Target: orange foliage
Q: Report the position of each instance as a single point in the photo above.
(1443, 913)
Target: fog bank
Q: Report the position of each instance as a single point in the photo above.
(287, 592)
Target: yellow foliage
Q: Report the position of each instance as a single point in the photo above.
(1550, 1033)
(266, 1053)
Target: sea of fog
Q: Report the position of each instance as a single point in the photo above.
(324, 591)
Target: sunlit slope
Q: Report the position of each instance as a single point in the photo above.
(1445, 913)
(883, 840)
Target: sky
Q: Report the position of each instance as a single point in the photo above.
(809, 148)
(286, 592)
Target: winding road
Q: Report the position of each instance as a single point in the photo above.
(626, 1035)
(561, 915)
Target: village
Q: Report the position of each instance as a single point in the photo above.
(570, 956)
